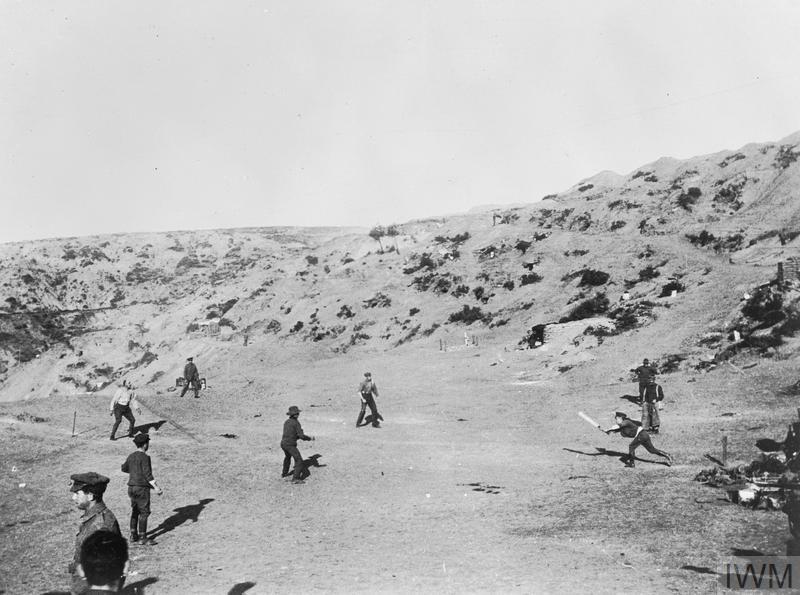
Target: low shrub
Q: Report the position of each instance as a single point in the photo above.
(588, 308)
(345, 312)
(704, 238)
(460, 290)
(673, 285)
(593, 278)
(669, 363)
(429, 331)
(378, 300)
(523, 245)
(648, 272)
(468, 315)
(529, 278)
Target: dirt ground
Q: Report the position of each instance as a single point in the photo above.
(482, 478)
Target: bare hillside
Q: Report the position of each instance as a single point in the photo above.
(79, 312)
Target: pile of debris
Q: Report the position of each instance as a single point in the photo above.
(757, 485)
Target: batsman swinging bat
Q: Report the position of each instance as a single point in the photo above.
(590, 420)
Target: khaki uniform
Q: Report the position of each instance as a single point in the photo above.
(97, 517)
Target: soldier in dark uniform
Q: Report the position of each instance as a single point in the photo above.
(292, 432)
(640, 437)
(140, 482)
(191, 377)
(653, 396)
(368, 391)
(87, 493)
(643, 374)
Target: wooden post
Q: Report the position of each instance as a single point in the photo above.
(724, 451)
(74, 417)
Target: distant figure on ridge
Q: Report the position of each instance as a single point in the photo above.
(292, 432)
(191, 377)
(368, 390)
(87, 493)
(643, 374)
(124, 399)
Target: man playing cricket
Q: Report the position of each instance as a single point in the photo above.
(640, 437)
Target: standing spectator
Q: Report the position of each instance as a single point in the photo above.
(87, 493)
(120, 407)
(653, 396)
(629, 429)
(140, 482)
(191, 377)
(368, 391)
(104, 562)
(292, 432)
(643, 374)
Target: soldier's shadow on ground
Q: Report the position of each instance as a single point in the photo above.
(182, 514)
(240, 588)
(622, 456)
(632, 398)
(368, 420)
(312, 461)
(138, 588)
(750, 554)
(145, 428)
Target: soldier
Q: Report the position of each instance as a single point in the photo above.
(120, 407)
(104, 562)
(643, 374)
(368, 390)
(191, 377)
(140, 482)
(653, 397)
(87, 493)
(640, 437)
(292, 432)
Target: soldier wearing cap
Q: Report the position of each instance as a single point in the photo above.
(87, 493)
(192, 377)
(626, 427)
(292, 432)
(368, 390)
(140, 482)
(644, 373)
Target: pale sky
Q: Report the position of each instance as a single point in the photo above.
(164, 115)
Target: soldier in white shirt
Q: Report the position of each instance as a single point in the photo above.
(124, 399)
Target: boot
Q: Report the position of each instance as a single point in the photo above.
(360, 419)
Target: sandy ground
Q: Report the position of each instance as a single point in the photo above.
(477, 482)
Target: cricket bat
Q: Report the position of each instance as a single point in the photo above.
(590, 420)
